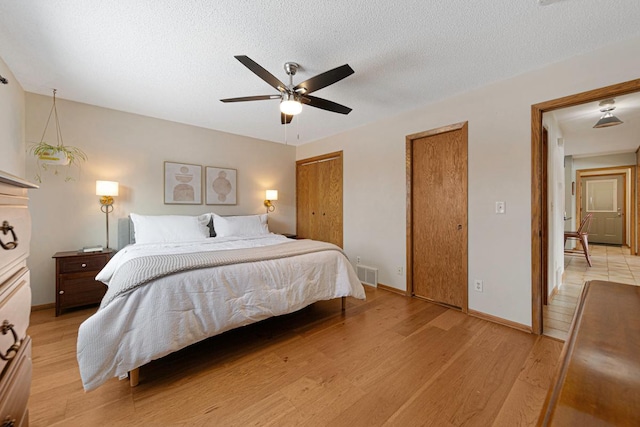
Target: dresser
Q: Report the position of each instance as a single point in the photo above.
(15, 301)
(598, 380)
(75, 278)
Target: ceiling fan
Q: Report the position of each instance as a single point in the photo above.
(292, 97)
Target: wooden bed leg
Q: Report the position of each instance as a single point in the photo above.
(134, 377)
(344, 303)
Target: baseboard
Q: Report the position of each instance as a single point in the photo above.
(554, 291)
(501, 321)
(43, 306)
(391, 289)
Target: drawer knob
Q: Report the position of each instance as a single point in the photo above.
(9, 422)
(13, 350)
(6, 228)
(61, 292)
(83, 265)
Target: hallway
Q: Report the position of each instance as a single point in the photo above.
(611, 263)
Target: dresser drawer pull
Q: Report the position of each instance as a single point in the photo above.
(6, 327)
(61, 292)
(83, 265)
(5, 229)
(9, 422)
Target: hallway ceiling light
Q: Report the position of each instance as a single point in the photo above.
(607, 119)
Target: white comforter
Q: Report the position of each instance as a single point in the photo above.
(178, 310)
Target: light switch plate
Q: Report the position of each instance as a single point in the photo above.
(501, 207)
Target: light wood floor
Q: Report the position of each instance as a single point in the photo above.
(391, 360)
(610, 263)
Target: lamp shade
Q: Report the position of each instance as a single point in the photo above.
(290, 108)
(608, 120)
(106, 188)
(272, 195)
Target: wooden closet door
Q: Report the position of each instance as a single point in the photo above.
(332, 200)
(303, 201)
(319, 198)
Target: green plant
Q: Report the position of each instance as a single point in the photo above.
(46, 158)
(52, 156)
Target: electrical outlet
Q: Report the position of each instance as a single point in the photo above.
(478, 285)
(400, 271)
(357, 260)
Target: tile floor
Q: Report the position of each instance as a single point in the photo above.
(611, 263)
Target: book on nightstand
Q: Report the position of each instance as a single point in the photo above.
(96, 248)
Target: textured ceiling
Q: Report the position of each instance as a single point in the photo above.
(174, 59)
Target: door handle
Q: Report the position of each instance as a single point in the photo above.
(459, 227)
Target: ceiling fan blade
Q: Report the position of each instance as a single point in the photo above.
(323, 80)
(261, 72)
(251, 98)
(285, 118)
(325, 104)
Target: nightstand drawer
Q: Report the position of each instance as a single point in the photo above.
(82, 263)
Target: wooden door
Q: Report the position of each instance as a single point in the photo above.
(330, 195)
(307, 201)
(604, 197)
(437, 175)
(545, 214)
(319, 198)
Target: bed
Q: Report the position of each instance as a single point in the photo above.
(177, 285)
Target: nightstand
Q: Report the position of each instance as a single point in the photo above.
(75, 273)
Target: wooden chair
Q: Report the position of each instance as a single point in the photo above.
(582, 234)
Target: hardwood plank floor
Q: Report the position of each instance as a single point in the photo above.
(391, 360)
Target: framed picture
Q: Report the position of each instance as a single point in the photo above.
(182, 184)
(220, 186)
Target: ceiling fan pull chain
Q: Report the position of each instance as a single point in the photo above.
(286, 125)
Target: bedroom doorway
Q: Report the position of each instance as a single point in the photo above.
(437, 248)
(540, 251)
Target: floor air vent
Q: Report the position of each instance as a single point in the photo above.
(367, 275)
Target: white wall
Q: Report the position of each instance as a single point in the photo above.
(131, 149)
(595, 162)
(499, 118)
(11, 124)
(569, 199)
(556, 206)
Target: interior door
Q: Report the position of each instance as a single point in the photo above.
(439, 216)
(603, 196)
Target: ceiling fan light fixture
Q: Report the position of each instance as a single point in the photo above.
(290, 106)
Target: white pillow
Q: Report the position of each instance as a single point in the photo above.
(246, 225)
(170, 228)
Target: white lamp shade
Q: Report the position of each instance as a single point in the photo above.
(106, 188)
(272, 195)
(290, 108)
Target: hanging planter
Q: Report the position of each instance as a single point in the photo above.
(51, 156)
